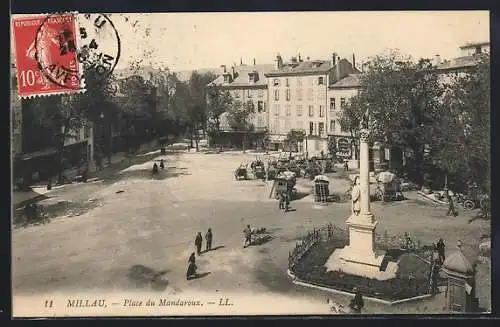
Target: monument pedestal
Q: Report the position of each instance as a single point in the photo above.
(360, 257)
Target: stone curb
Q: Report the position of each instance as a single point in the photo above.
(331, 290)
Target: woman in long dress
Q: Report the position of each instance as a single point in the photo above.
(355, 197)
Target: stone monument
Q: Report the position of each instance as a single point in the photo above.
(360, 257)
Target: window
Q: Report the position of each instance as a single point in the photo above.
(311, 81)
(261, 93)
(316, 145)
(87, 130)
(320, 80)
(299, 82)
(299, 110)
(342, 102)
(332, 126)
(276, 95)
(249, 93)
(251, 106)
(321, 111)
(299, 94)
(237, 94)
(263, 106)
(321, 128)
(287, 82)
(332, 104)
(287, 94)
(286, 126)
(311, 128)
(276, 82)
(310, 94)
(276, 110)
(260, 106)
(311, 111)
(288, 110)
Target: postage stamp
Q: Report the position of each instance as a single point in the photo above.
(46, 55)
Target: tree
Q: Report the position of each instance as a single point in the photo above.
(350, 120)
(293, 138)
(402, 98)
(464, 128)
(219, 101)
(239, 117)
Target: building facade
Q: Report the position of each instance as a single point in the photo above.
(298, 99)
(339, 94)
(247, 84)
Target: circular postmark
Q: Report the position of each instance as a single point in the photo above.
(55, 50)
(65, 45)
(99, 48)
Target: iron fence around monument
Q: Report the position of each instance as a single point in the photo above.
(331, 231)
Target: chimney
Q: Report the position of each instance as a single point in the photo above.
(241, 61)
(234, 72)
(300, 58)
(337, 69)
(224, 67)
(279, 62)
(334, 59)
(353, 61)
(254, 61)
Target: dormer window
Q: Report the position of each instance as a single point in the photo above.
(276, 82)
(251, 77)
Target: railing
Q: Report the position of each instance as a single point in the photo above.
(332, 231)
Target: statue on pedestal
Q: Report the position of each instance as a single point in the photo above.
(355, 197)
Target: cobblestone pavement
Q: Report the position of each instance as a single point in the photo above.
(152, 222)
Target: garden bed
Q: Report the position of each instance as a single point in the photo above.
(412, 278)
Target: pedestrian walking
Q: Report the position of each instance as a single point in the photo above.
(357, 303)
(346, 165)
(434, 278)
(191, 270)
(155, 168)
(286, 200)
(208, 239)
(440, 247)
(451, 205)
(281, 200)
(247, 232)
(198, 241)
(162, 164)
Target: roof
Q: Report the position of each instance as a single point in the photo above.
(145, 72)
(242, 80)
(458, 263)
(474, 44)
(350, 81)
(302, 67)
(459, 63)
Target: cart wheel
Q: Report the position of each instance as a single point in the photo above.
(469, 205)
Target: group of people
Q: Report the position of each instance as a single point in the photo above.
(198, 242)
(155, 166)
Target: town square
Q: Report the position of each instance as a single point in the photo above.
(340, 184)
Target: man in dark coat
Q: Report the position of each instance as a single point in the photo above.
(248, 236)
(441, 250)
(208, 238)
(198, 241)
(451, 206)
(357, 303)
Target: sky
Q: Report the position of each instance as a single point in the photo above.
(185, 41)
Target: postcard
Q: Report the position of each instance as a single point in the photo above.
(250, 163)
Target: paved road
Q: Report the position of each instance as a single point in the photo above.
(153, 223)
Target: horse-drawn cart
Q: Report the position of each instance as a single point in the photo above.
(241, 172)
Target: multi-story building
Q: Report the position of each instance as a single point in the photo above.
(247, 84)
(339, 94)
(298, 99)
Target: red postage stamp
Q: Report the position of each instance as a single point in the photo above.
(46, 55)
